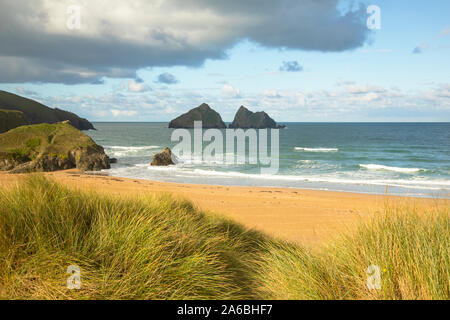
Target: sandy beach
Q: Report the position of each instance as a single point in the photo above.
(303, 216)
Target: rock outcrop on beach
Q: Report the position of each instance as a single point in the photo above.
(246, 119)
(10, 119)
(209, 117)
(50, 147)
(164, 158)
(36, 113)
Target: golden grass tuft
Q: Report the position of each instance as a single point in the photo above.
(411, 249)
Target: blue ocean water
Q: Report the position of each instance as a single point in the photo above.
(401, 158)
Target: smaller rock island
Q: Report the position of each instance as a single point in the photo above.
(164, 158)
(246, 119)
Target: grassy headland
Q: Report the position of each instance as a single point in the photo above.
(36, 113)
(29, 141)
(10, 119)
(146, 247)
(48, 147)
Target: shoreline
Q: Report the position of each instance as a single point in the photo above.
(307, 217)
(440, 195)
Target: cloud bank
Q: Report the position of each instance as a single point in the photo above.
(117, 38)
(346, 102)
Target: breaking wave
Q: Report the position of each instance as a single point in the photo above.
(387, 168)
(316, 149)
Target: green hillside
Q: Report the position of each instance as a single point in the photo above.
(49, 147)
(38, 113)
(10, 119)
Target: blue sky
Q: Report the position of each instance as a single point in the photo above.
(398, 73)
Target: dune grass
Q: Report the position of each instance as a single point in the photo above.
(146, 247)
(412, 251)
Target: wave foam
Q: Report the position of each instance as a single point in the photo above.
(414, 184)
(121, 151)
(316, 149)
(387, 168)
(144, 171)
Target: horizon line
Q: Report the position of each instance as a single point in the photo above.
(283, 122)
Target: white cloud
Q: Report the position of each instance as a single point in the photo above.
(360, 89)
(26, 92)
(371, 96)
(134, 86)
(443, 91)
(274, 94)
(127, 113)
(230, 92)
(301, 99)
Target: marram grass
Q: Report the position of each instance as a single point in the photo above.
(146, 247)
(141, 248)
(412, 251)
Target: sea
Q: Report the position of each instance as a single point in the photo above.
(408, 159)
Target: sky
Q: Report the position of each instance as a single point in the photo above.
(298, 60)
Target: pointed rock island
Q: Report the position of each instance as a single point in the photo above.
(246, 119)
(210, 119)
